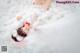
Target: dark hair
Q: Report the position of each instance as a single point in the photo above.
(21, 33)
(14, 38)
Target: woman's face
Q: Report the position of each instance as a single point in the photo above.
(26, 27)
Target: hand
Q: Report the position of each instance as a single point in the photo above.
(18, 17)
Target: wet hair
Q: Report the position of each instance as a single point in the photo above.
(15, 39)
(21, 33)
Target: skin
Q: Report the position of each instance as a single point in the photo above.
(26, 27)
(18, 17)
(45, 4)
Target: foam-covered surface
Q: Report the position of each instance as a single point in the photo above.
(62, 36)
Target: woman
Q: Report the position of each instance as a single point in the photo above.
(21, 32)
